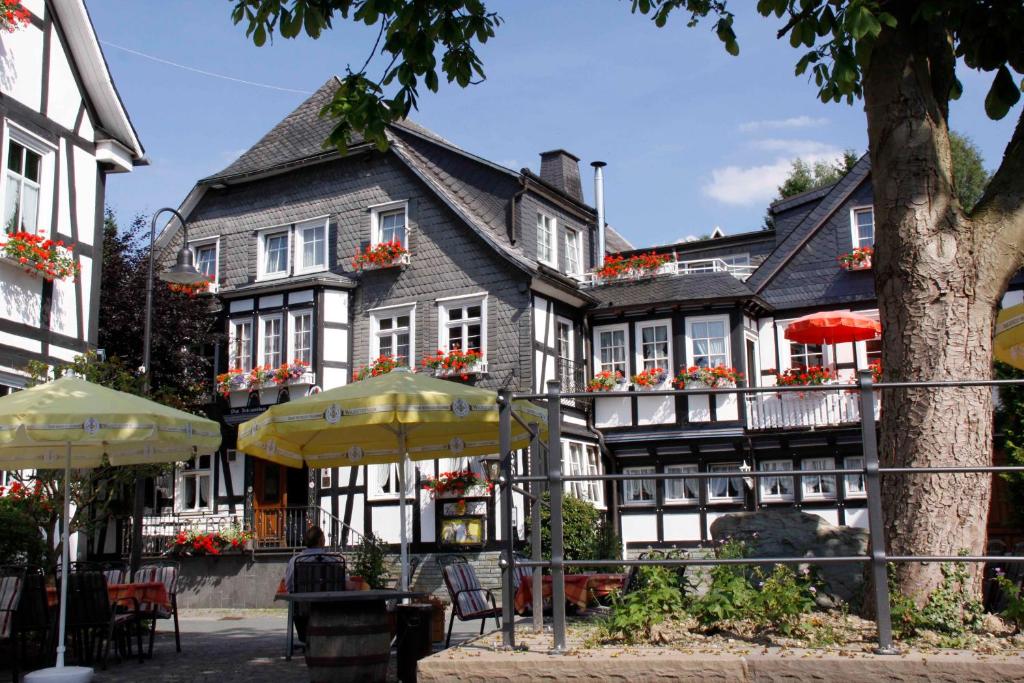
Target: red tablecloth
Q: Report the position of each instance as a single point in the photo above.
(575, 591)
(126, 594)
(353, 583)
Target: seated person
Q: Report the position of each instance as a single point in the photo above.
(314, 541)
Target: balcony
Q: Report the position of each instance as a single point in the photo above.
(710, 265)
(572, 377)
(812, 409)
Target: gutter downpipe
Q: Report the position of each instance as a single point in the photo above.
(599, 205)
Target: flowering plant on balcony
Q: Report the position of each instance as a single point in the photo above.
(455, 362)
(191, 290)
(47, 258)
(235, 379)
(194, 543)
(382, 365)
(13, 16)
(649, 378)
(858, 259)
(455, 482)
(615, 266)
(718, 376)
(381, 255)
(235, 537)
(876, 370)
(605, 381)
(260, 377)
(809, 376)
(290, 372)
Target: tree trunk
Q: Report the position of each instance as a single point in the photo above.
(937, 283)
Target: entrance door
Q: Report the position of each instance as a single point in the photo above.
(270, 498)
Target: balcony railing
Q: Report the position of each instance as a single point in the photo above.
(709, 265)
(572, 376)
(803, 409)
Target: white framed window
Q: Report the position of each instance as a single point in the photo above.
(26, 167)
(806, 355)
(195, 480)
(681, 490)
(862, 226)
(462, 323)
(707, 341)
(240, 345)
(382, 481)
(301, 323)
(566, 353)
(736, 259)
(854, 483)
(654, 345)
(610, 349)
(725, 489)
(389, 223)
(638, 491)
(573, 252)
(311, 245)
(818, 487)
(392, 333)
(205, 253)
(581, 458)
(776, 488)
(873, 351)
(325, 478)
(270, 341)
(547, 245)
(272, 253)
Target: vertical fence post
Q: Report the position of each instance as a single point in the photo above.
(876, 525)
(536, 466)
(555, 488)
(508, 624)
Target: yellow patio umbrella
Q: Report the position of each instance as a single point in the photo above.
(395, 417)
(73, 424)
(1009, 339)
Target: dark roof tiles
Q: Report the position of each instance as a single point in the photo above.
(674, 288)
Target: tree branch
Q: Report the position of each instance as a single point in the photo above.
(1000, 211)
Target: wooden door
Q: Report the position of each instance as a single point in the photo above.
(270, 498)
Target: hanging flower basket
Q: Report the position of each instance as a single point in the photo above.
(382, 255)
(48, 259)
(193, 290)
(858, 259)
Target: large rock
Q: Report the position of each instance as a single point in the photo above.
(787, 532)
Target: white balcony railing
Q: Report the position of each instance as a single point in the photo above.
(803, 409)
(710, 265)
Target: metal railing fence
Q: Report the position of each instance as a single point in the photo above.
(553, 477)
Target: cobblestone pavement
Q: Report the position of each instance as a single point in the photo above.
(226, 646)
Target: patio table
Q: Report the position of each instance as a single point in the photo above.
(349, 633)
(576, 591)
(126, 594)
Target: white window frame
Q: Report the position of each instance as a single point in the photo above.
(375, 492)
(627, 484)
(282, 341)
(589, 462)
(47, 153)
(850, 487)
(855, 228)
(463, 300)
(292, 346)
(377, 314)
(577, 252)
(733, 472)
(638, 354)
(550, 223)
(233, 360)
(379, 210)
(622, 327)
(670, 483)
(198, 474)
(708, 319)
(197, 244)
(559, 320)
(300, 267)
(262, 235)
(806, 480)
(765, 483)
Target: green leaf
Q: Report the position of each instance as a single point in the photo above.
(1003, 94)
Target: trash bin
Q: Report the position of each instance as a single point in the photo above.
(414, 623)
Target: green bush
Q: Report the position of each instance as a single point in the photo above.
(951, 609)
(21, 538)
(581, 523)
(634, 615)
(369, 562)
(730, 594)
(608, 545)
(1014, 610)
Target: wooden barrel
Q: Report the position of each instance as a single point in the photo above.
(348, 642)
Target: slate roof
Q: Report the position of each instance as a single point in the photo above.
(324, 278)
(614, 242)
(703, 287)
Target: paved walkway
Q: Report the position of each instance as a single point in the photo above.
(224, 646)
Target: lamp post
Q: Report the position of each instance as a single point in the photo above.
(183, 272)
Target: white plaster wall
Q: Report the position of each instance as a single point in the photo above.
(237, 471)
(613, 412)
(64, 308)
(386, 522)
(21, 65)
(20, 342)
(682, 526)
(656, 410)
(21, 297)
(335, 345)
(86, 278)
(857, 517)
(829, 515)
(63, 353)
(85, 195)
(335, 306)
(64, 99)
(639, 528)
(334, 377)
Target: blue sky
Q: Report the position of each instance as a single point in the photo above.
(693, 138)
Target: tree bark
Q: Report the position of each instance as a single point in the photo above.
(939, 274)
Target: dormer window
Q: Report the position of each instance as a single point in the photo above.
(547, 249)
(273, 260)
(863, 227)
(205, 253)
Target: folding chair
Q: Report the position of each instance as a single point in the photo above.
(166, 572)
(11, 581)
(469, 599)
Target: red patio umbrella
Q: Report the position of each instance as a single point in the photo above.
(832, 327)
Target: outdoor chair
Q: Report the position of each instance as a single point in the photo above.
(317, 573)
(166, 572)
(32, 620)
(115, 572)
(92, 621)
(469, 599)
(11, 581)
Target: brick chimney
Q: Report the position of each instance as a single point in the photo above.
(562, 170)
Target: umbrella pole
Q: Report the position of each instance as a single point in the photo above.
(65, 531)
(403, 461)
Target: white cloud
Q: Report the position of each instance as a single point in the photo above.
(792, 122)
(758, 184)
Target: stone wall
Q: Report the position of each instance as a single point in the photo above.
(250, 581)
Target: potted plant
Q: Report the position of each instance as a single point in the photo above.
(457, 484)
(381, 255)
(381, 365)
(454, 362)
(858, 259)
(606, 380)
(649, 379)
(696, 377)
(46, 258)
(369, 562)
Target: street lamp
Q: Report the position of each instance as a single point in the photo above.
(183, 272)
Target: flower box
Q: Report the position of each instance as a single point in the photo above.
(858, 259)
(863, 264)
(383, 255)
(479, 368)
(40, 257)
(474, 491)
(399, 262)
(455, 363)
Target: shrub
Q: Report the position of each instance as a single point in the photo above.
(580, 527)
(369, 562)
(730, 594)
(607, 545)
(784, 597)
(1014, 610)
(634, 615)
(952, 608)
(21, 538)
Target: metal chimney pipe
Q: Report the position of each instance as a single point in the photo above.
(599, 204)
